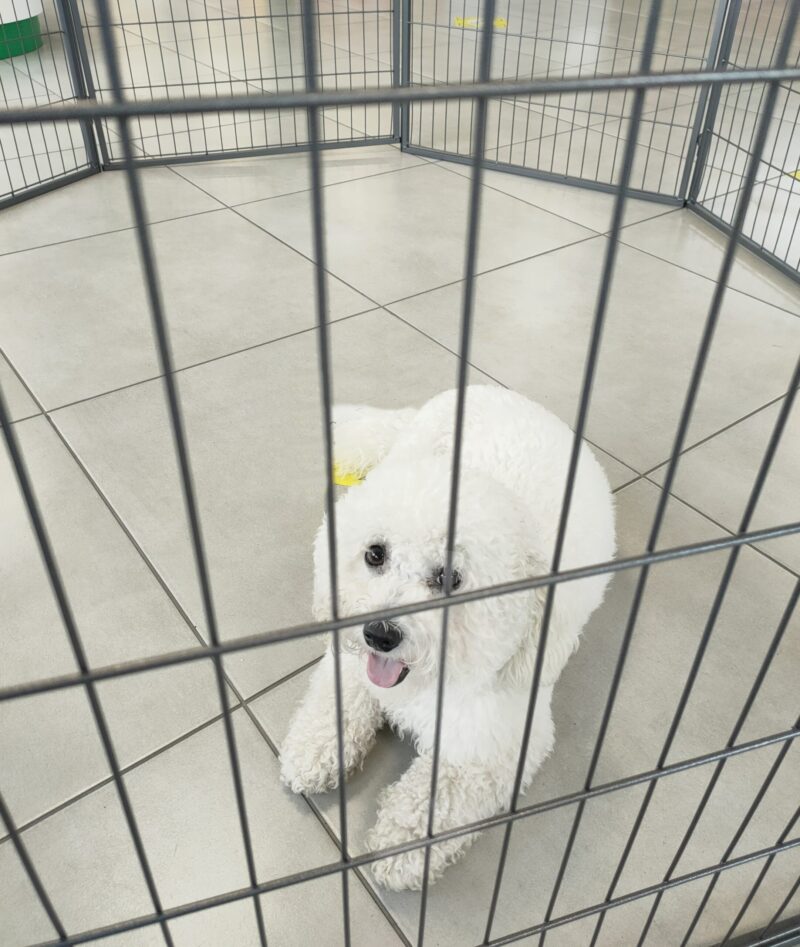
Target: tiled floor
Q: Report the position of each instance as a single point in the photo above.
(79, 370)
(232, 239)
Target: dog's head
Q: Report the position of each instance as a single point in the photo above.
(391, 550)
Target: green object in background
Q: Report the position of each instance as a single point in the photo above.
(20, 37)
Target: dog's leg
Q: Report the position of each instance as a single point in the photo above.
(363, 436)
(309, 755)
(466, 792)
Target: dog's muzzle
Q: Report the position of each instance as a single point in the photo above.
(384, 636)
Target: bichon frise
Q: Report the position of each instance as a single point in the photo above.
(391, 539)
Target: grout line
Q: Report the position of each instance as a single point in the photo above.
(755, 547)
(28, 417)
(234, 705)
(283, 680)
(502, 384)
(240, 701)
(207, 361)
(492, 269)
(592, 235)
(106, 233)
(330, 831)
(722, 430)
(123, 769)
(307, 190)
(600, 233)
(710, 279)
(444, 165)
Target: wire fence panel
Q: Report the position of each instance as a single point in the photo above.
(771, 225)
(672, 821)
(578, 136)
(173, 50)
(38, 156)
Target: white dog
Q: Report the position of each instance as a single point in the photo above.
(392, 534)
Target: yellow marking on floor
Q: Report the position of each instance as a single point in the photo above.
(473, 23)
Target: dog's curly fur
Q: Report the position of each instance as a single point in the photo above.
(514, 461)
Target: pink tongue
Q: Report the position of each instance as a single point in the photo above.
(382, 671)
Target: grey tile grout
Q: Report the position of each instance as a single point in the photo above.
(604, 233)
(124, 770)
(502, 384)
(755, 547)
(211, 210)
(710, 279)
(330, 184)
(207, 361)
(234, 705)
(256, 695)
(329, 829)
(494, 269)
(722, 430)
(639, 474)
(105, 233)
(446, 166)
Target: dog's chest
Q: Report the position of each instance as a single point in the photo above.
(473, 725)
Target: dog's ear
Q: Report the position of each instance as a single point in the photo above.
(519, 670)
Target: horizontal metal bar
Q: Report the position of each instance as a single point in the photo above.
(464, 90)
(25, 193)
(245, 643)
(605, 188)
(332, 868)
(148, 162)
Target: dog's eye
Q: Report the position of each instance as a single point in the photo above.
(454, 582)
(375, 556)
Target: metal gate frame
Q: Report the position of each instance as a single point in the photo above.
(707, 127)
(696, 156)
(695, 159)
(86, 677)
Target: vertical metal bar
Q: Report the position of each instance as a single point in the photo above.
(467, 310)
(67, 617)
(179, 439)
(397, 67)
(22, 851)
(731, 12)
(693, 152)
(323, 348)
(592, 356)
(65, 13)
(753, 693)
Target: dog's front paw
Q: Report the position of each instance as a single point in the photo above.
(309, 768)
(399, 822)
(310, 755)
(310, 765)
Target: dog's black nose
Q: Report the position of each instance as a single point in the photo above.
(382, 635)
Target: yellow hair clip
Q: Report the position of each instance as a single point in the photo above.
(344, 478)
